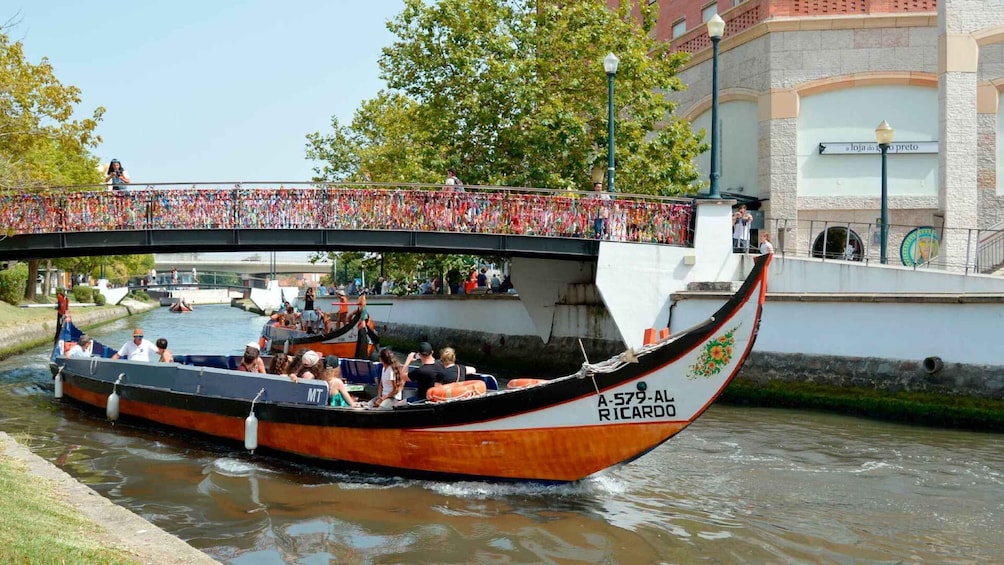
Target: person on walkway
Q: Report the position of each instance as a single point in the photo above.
(766, 247)
(117, 175)
(452, 182)
(251, 362)
(165, 354)
(62, 311)
(428, 374)
(742, 221)
(601, 223)
(138, 349)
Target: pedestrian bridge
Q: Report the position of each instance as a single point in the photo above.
(335, 217)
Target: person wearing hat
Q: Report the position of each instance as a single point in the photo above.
(137, 349)
(252, 362)
(429, 373)
(117, 175)
(343, 308)
(83, 348)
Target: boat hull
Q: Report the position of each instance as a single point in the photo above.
(562, 430)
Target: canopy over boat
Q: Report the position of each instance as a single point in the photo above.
(564, 429)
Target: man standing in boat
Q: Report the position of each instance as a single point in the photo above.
(62, 310)
(136, 350)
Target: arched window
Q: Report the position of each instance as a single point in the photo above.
(840, 243)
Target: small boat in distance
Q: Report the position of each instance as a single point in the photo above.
(181, 305)
(564, 429)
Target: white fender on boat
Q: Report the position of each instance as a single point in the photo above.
(251, 432)
(57, 382)
(112, 408)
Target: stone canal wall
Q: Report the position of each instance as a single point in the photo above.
(939, 343)
(18, 338)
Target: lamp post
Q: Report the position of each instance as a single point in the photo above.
(883, 134)
(610, 63)
(716, 28)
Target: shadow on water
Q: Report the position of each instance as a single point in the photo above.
(741, 485)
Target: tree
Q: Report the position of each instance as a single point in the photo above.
(40, 142)
(512, 92)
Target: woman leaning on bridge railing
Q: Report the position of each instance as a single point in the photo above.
(347, 207)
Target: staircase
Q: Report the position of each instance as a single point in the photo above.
(990, 249)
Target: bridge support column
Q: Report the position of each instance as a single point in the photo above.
(541, 282)
(636, 279)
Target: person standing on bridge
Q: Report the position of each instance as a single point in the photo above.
(117, 175)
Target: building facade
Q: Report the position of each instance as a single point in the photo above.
(803, 85)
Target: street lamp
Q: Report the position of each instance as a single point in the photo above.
(716, 28)
(883, 135)
(610, 63)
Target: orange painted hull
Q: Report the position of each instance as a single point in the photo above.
(546, 454)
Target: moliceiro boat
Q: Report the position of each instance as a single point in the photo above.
(342, 341)
(559, 430)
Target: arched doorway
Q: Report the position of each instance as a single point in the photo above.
(840, 243)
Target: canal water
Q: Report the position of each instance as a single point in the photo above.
(741, 485)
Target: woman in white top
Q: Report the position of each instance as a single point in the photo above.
(765, 245)
(391, 385)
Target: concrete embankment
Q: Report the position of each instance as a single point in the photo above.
(24, 336)
(120, 527)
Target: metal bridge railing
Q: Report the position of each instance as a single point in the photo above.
(914, 246)
(489, 210)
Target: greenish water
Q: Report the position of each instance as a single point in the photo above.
(742, 485)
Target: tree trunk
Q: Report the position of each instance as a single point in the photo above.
(47, 283)
(29, 287)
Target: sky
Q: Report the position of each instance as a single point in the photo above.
(210, 91)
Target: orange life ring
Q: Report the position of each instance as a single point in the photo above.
(525, 381)
(261, 343)
(463, 389)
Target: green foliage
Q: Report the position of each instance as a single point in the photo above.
(512, 92)
(83, 294)
(140, 295)
(118, 268)
(40, 143)
(924, 408)
(99, 298)
(12, 283)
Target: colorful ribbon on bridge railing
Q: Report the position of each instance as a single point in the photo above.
(492, 212)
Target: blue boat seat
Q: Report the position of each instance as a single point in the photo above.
(491, 383)
(359, 371)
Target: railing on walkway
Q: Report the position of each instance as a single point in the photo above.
(990, 249)
(914, 246)
(489, 210)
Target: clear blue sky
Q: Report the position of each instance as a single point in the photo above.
(210, 90)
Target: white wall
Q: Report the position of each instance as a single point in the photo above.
(851, 115)
(1000, 144)
(802, 274)
(739, 147)
(907, 331)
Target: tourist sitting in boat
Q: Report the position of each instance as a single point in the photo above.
(291, 318)
(390, 387)
(165, 354)
(251, 362)
(339, 394)
(138, 349)
(279, 363)
(83, 348)
(428, 373)
(454, 373)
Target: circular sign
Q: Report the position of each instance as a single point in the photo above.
(919, 246)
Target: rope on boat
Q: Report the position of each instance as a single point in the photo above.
(632, 355)
(256, 397)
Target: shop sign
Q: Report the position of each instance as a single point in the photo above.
(919, 247)
(869, 147)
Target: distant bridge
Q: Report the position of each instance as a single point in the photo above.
(387, 218)
(253, 264)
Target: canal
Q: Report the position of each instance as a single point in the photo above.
(742, 485)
